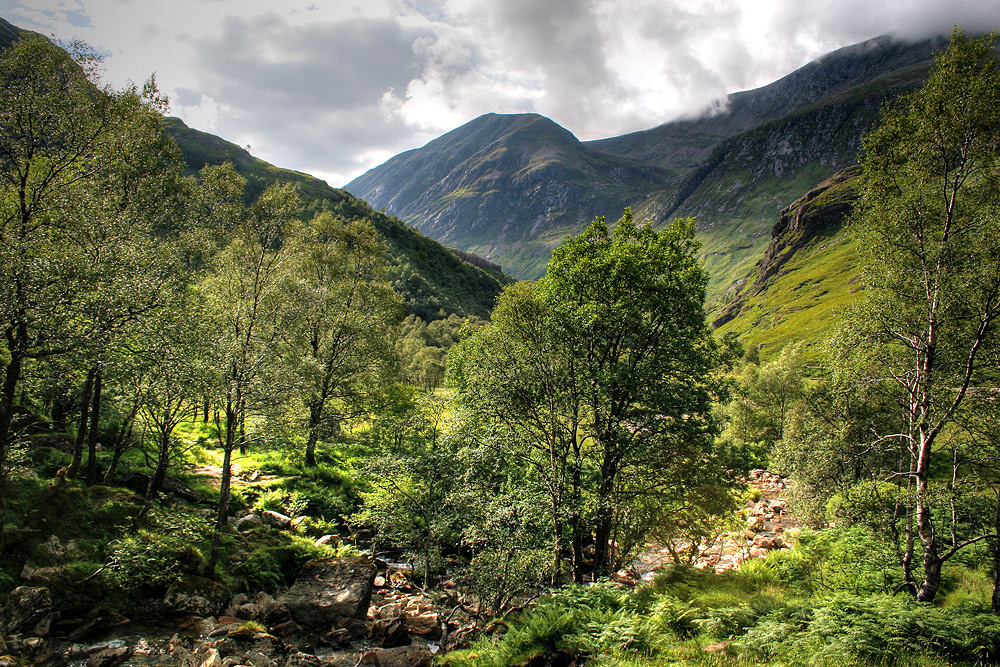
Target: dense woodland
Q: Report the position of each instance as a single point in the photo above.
(179, 351)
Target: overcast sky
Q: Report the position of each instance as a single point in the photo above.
(335, 87)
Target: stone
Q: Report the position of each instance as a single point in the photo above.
(329, 590)
(391, 610)
(337, 637)
(245, 523)
(28, 611)
(195, 595)
(110, 657)
(213, 659)
(390, 632)
(332, 540)
(276, 520)
(426, 624)
(406, 656)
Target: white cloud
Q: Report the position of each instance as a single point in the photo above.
(332, 87)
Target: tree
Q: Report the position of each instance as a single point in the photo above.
(602, 371)
(340, 345)
(63, 143)
(248, 305)
(927, 224)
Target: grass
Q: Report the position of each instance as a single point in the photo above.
(768, 612)
(801, 302)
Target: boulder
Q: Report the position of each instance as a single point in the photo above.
(329, 590)
(276, 520)
(245, 523)
(406, 656)
(426, 624)
(28, 611)
(110, 657)
(195, 595)
(390, 632)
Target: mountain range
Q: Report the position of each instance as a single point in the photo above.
(511, 187)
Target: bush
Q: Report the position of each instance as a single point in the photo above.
(879, 629)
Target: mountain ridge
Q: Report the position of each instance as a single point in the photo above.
(734, 170)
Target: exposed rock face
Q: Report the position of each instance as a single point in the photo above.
(329, 591)
(28, 612)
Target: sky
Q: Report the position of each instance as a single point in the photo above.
(336, 87)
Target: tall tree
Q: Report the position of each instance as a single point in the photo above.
(62, 142)
(608, 359)
(927, 226)
(339, 344)
(249, 307)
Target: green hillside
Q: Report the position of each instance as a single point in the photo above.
(804, 278)
(434, 280)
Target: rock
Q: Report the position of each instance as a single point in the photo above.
(110, 657)
(286, 629)
(276, 520)
(406, 656)
(427, 624)
(28, 611)
(357, 628)
(49, 577)
(249, 611)
(212, 660)
(390, 632)
(392, 610)
(245, 523)
(379, 581)
(332, 540)
(328, 590)
(337, 637)
(195, 595)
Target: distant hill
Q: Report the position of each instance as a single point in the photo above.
(434, 280)
(510, 188)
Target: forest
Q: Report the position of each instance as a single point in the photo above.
(208, 388)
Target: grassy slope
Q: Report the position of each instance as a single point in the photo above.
(801, 302)
(433, 279)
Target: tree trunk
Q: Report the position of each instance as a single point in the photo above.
(156, 479)
(232, 420)
(81, 430)
(11, 377)
(122, 442)
(315, 416)
(996, 558)
(95, 431)
(931, 558)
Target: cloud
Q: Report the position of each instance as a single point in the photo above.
(332, 87)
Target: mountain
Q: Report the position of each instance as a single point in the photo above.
(511, 188)
(434, 280)
(507, 187)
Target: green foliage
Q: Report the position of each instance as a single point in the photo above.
(274, 561)
(873, 630)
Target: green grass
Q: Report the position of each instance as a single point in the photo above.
(802, 301)
(768, 612)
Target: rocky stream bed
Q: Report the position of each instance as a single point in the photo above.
(340, 612)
